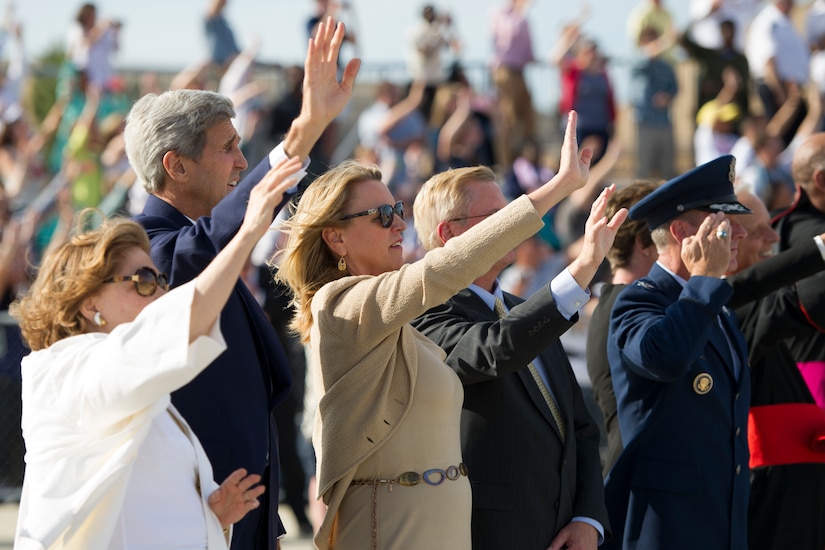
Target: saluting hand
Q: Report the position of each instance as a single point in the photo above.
(707, 253)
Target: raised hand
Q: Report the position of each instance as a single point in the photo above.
(599, 233)
(324, 96)
(574, 169)
(707, 252)
(574, 164)
(236, 496)
(267, 194)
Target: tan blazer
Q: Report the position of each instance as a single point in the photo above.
(362, 341)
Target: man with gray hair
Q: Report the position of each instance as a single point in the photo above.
(680, 374)
(796, 226)
(183, 146)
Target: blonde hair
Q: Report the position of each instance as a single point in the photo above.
(50, 310)
(305, 264)
(444, 197)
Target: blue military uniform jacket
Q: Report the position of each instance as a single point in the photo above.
(229, 404)
(682, 481)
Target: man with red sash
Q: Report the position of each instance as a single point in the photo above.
(795, 226)
(786, 429)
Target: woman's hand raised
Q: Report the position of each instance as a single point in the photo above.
(574, 169)
(268, 194)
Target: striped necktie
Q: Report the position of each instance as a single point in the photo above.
(501, 311)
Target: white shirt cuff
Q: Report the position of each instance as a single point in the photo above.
(596, 525)
(277, 155)
(569, 296)
(820, 245)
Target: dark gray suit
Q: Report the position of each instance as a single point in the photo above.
(527, 485)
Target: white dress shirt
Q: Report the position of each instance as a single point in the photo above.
(705, 30)
(772, 35)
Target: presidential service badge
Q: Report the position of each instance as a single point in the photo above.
(703, 383)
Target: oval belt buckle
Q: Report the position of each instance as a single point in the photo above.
(409, 479)
(434, 477)
(703, 383)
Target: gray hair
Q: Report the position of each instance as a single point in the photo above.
(172, 121)
(661, 236)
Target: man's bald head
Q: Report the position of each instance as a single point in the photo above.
(809, 157)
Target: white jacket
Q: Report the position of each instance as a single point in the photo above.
(88, 403)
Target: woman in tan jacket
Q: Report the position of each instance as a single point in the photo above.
(387, 427)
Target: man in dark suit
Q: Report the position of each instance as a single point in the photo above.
(797, 226)
(680, 374)
(184, 148)
(530, 445)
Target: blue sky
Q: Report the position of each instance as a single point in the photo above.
(167, 33)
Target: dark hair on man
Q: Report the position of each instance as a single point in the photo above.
(619, 255)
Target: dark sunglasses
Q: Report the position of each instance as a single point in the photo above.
(385, 211)
(146, 280)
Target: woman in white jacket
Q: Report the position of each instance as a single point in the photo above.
(110, 463)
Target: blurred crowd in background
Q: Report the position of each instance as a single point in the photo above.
(757, 76)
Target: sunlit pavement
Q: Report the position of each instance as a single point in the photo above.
(8, 520)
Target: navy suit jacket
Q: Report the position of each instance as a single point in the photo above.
(229, 404)
(682, 480)
(527, 484)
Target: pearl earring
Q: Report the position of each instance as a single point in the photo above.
(99, 320)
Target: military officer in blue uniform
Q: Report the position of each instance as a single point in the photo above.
(680, 374)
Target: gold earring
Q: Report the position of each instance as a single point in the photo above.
(99, 320)
(342, 264)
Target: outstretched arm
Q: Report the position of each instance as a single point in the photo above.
(403, 108)
(569, 34)
(217, 281)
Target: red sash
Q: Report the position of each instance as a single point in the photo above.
(791, 433)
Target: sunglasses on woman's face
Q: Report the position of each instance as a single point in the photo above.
(146, 280)
(385, 212)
